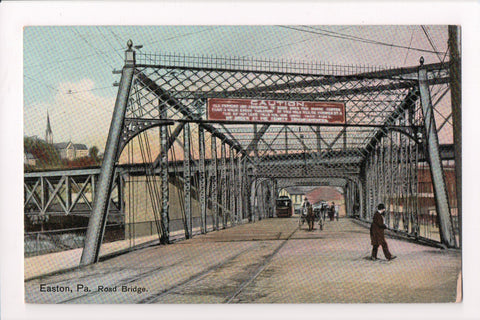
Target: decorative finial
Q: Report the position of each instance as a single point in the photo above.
(129, 44)
(422, 60)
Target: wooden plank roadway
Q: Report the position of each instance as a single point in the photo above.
(271, 261)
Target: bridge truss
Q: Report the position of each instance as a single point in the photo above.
(229, 172)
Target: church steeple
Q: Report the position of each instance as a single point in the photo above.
(48, 131)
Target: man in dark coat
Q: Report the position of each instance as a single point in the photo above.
(331, 211)
(377, 235)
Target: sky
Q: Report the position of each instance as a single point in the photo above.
(68, 69)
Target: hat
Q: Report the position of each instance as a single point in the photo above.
(381, 206)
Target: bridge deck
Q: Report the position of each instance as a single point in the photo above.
(271, 261)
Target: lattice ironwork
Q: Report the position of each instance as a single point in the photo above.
(61, 193)
(379, 139)
(223, 173)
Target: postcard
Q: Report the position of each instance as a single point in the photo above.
(289, 164)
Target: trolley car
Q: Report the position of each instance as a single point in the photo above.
(284, 207)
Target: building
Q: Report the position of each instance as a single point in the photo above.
(296, 194)
(29, 159)
(425, 192)
(70, 150)
(328, 194)
(66, 150)
(314, 195)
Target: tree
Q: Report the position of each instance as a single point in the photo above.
(47, 156)
(93, 153)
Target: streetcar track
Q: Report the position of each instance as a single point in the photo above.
(156, 297)
(153, 298)
(262, 267)
(125, 281)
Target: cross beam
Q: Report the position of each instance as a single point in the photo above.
(172, 102)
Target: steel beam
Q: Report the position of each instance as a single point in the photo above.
(256, 138)
(406, 104)
(223, 179)
(273, 197)
(456, 97)
(397, 73)
(174, 103)
(214, 184)
(436, 168)
(165, 207)
(325, 95)
(239, 185)
(96, 224)
(187, 180)
(232, 188)
(169, 142)
(201, 180)
(253, 197)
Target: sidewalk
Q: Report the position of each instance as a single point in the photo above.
(65, 260)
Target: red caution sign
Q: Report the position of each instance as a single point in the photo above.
(251, 110)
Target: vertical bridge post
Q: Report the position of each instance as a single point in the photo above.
(223, 179)
(456, 96)
(214, 175)
(202, 182)
(164, 146)
(233, 187)
(98, 217)
(436, 168)
(187, 178)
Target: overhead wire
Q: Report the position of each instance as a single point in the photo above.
(409, 46)
(101, 53)
(60, 92)
(45, 63)
(435, 93)
(117, 38)
(431, 42)
(182, 35)
(354, 38)
(108, 42)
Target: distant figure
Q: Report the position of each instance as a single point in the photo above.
(323, 210)
(337, 209)
(305, 205)
(331, 211)
(310, 216)
(356, 208)
(377, 234)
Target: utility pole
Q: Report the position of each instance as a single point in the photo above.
(456, 97)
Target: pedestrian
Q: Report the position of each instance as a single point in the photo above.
(321, 220)
(323, 209)
(331, 211)
(310, 217)
(356, 208)
(377, 234)
(304, 211)
(337, 209)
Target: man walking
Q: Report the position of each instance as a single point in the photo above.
(377, 234)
